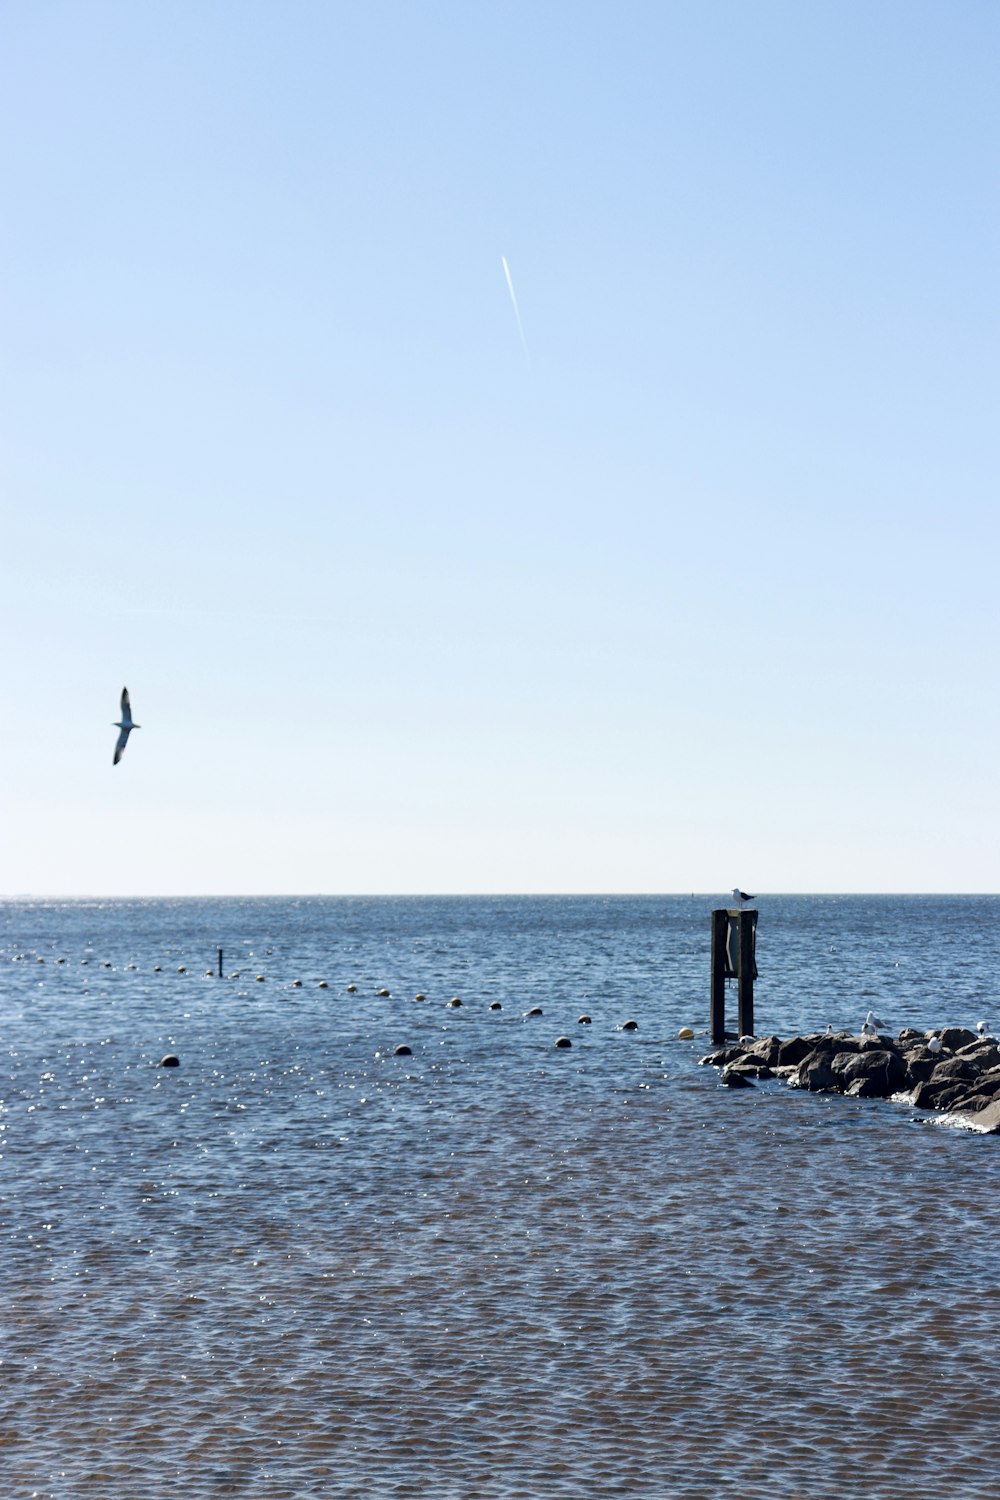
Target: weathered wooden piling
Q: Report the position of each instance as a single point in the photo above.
(733, 957)
(717, 1011)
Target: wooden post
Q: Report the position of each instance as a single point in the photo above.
(717, 1015)
(220, 963)
(747, 920)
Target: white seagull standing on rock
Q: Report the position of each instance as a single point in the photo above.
(934, 1043)
(126, 726)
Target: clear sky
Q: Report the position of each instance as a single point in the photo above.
(701, 589)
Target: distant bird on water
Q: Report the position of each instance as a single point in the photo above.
(126, 726)
(741, 896)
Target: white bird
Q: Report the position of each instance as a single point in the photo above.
(871, 1019)
(868, 1030)
(934, 1044)
(981, 1027)
(741, 896)
(126, 726)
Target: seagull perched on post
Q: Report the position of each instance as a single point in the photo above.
(741, 896)
(126, 726)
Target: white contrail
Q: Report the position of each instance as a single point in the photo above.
(513, 298)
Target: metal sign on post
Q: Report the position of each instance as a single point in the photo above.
(734, 943)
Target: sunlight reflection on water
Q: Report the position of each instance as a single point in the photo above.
(300, 1265)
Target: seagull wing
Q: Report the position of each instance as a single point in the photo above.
(126, 708)
(120, 747)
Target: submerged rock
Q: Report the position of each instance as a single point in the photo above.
(734, 1079)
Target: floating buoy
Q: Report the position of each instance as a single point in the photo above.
(235, 974)
(402, 1050)
(180, 968)
(495, 1005)
(583, 1021)
(39, 960)
(157, 968)
(630, 1026)
(454, 1003)
(384, 994)
(420, 996)
(106, 964)
(322, 985)
(170, 1061)
(536, 1010)
(563, 1041)
(62, 961)
(685, 1034)
(352, 989)
(260, 979)
(296, 984)
(208, 972)
(128, 966)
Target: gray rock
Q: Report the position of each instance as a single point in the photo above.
(765, 1050)
(925, 1094)
(937, 1093)
(988, 1119)
(795, 1050)
(984, 1054)
(954, 1037)
(955, 1070)
(815, 1073)
(872, 1073)
(950, 1096)
(734, 1080)
(751, 1066)
(920, 1064)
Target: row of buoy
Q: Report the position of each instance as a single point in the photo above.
(383, 993)
(171, 1060)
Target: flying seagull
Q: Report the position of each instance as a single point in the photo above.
(125, 725)
(741, 896)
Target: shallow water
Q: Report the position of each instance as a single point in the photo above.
(298, 1265)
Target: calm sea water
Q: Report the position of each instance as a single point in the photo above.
(299, 1265)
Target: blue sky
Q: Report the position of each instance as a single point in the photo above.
(703, 591)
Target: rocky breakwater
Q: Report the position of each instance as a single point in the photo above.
(953, 1070)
